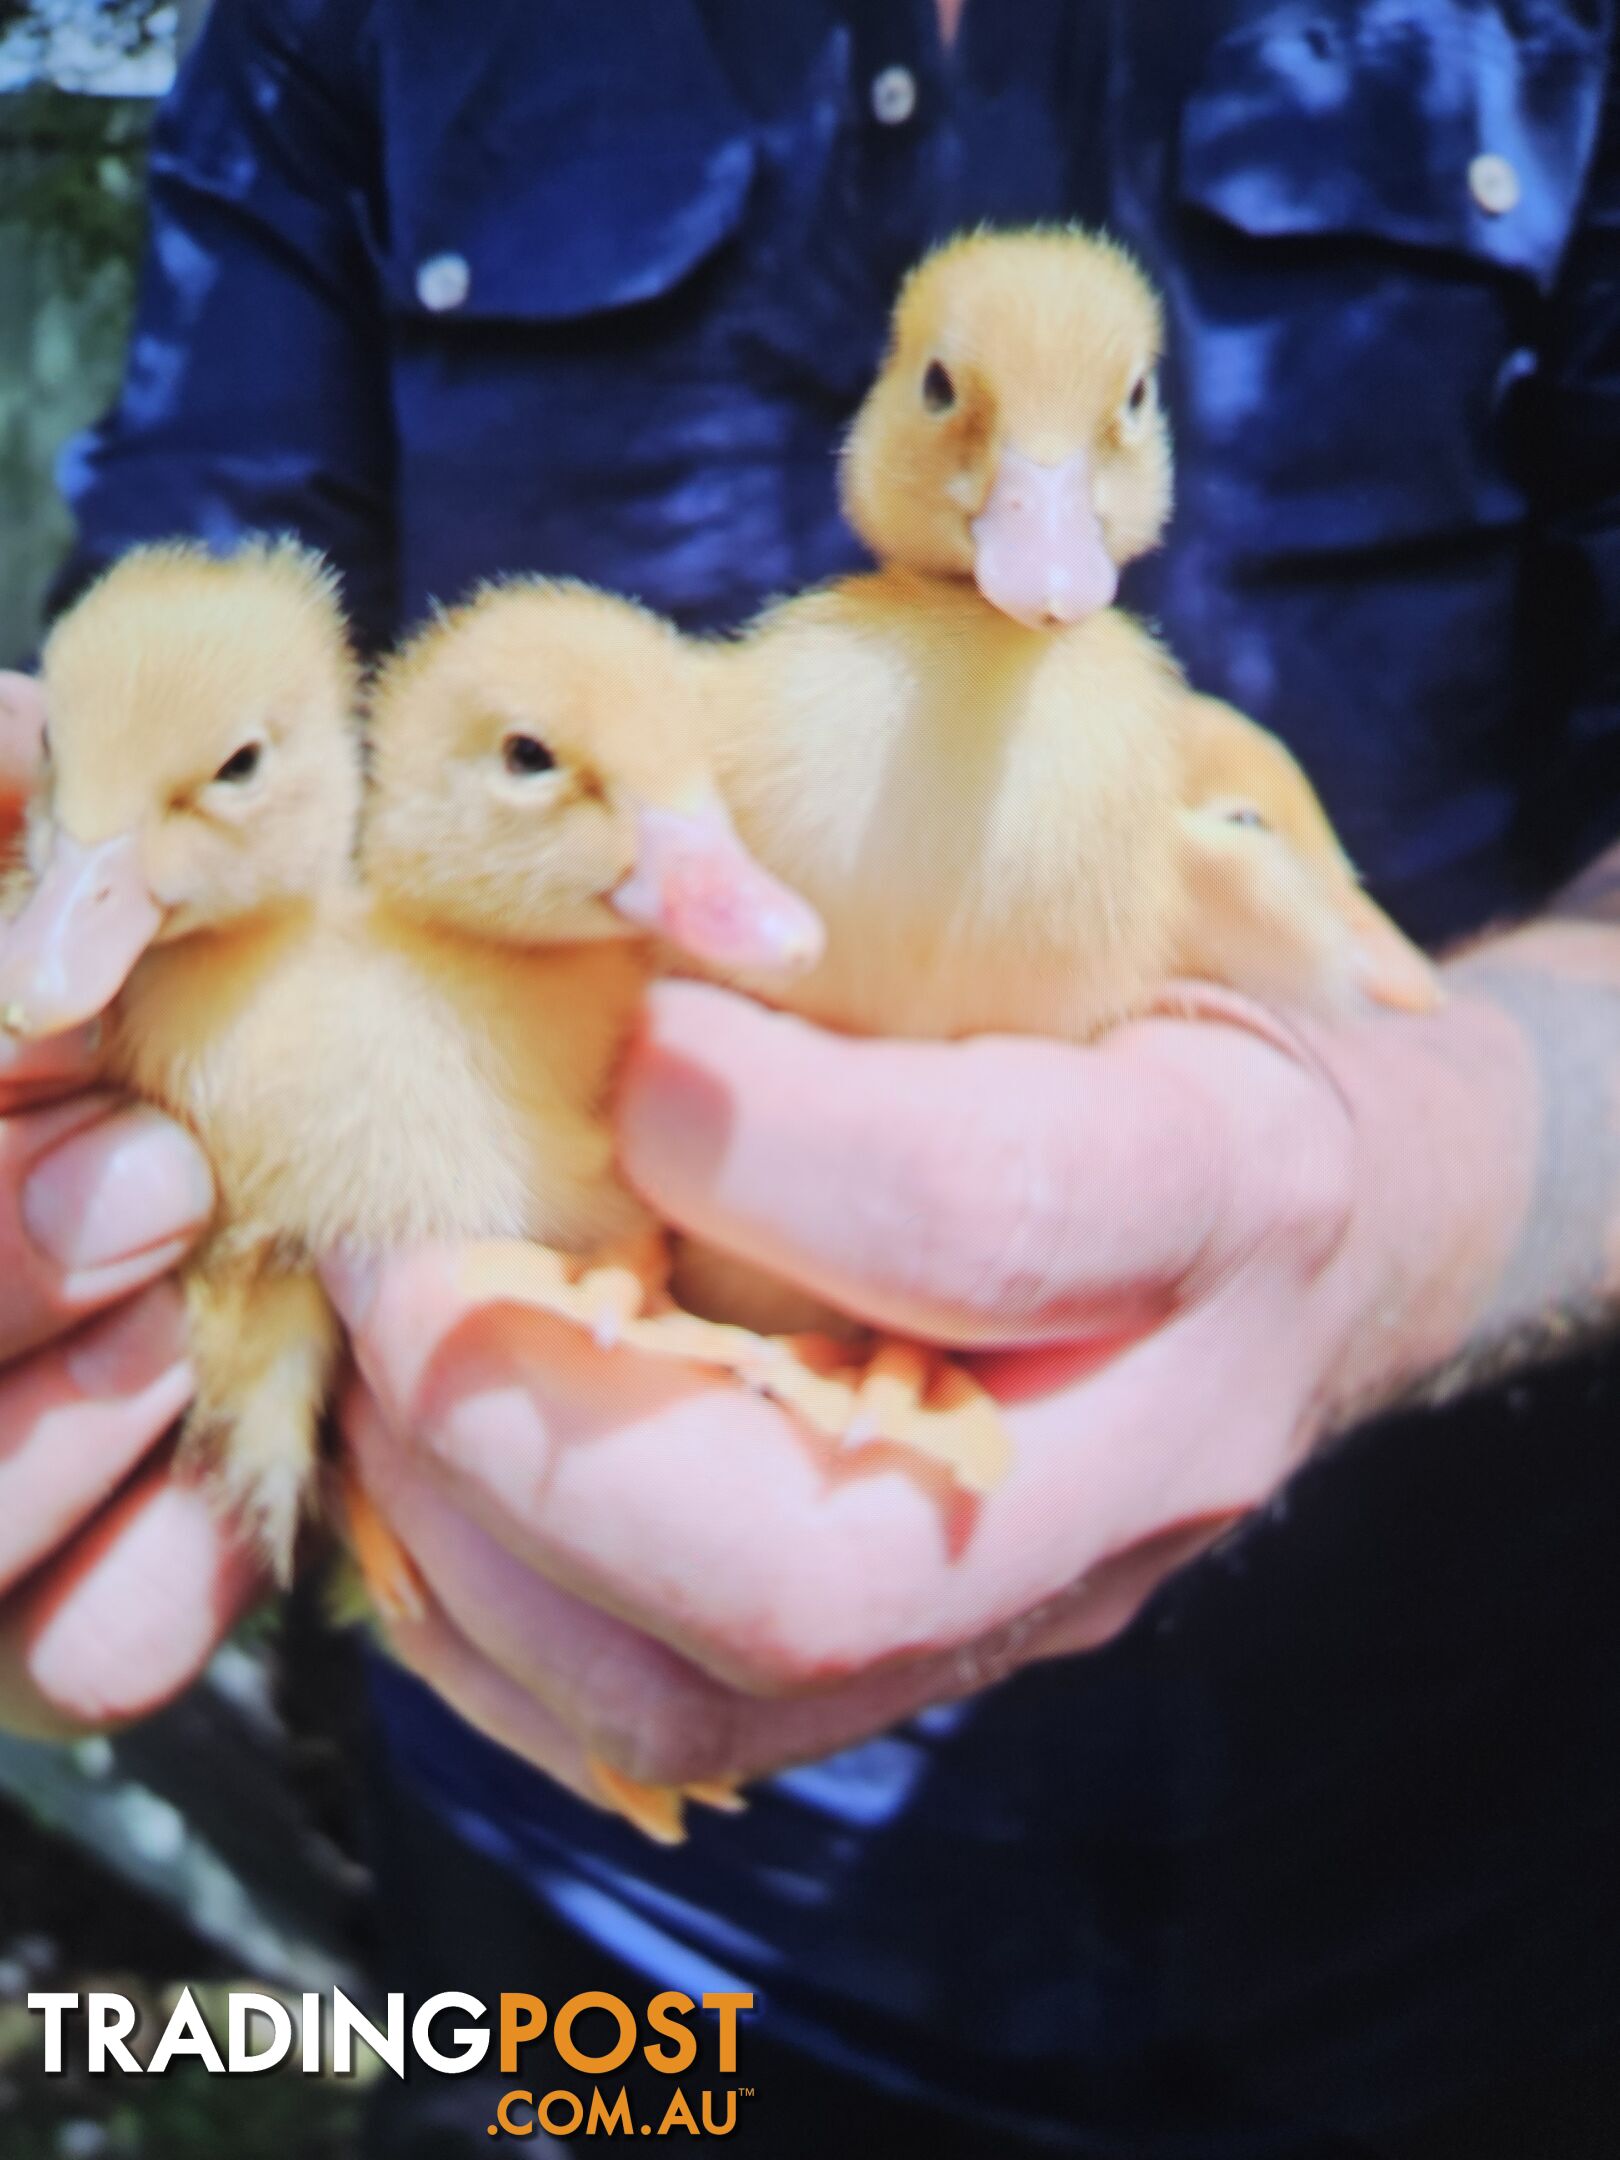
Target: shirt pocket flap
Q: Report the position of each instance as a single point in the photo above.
(543, 171)
(1435, 126)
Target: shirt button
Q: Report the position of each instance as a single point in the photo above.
(894, 96)
(1517, 368)
(1493, 183)
(443, 282)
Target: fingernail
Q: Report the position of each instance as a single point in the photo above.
(351, 1283)
(497, 1436)
(123, 1353)
(116, 1189)
(47, 1057)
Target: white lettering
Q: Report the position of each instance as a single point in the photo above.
(473, 2046)
(246, 2007)
(350, 2024)
(186, 2034)
(112, 2020)
(55, 2008)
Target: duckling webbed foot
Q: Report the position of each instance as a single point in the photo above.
(918, 1398)
(659, 1811)
(903, 1395)
(393, 1584)
(601, 1293)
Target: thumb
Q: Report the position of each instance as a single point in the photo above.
(994, 1191)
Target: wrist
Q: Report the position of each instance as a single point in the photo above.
(1445, 1115)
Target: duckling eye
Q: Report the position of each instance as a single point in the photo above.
(938, 391)
(241, 765)
(526, 755)
(1246, 815)
(1137, 396)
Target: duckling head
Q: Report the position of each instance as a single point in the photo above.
(1014, 435)
(539, 775)
(201, 767)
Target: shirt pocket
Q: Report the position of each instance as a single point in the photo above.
(1378, 194)
(569, 229)
(543, 171)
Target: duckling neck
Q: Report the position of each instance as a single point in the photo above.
(426, 922)
(260, 929)
(951, 598)
(447, 919)
(215, 968)
(979, 667)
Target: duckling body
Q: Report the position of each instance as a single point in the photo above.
(1272, 902)
(992, 783)
(981, 813)
(361, 1083)
(361, 1080)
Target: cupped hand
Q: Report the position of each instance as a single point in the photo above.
(114, 1582)
(1179, 1257)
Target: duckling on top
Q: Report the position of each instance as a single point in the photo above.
(1014, 436)
(993, 784)
(975, 766)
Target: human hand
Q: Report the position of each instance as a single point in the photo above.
(1182, 1255)
(115, 1583)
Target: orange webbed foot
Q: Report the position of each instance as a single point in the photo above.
(904, 1395)
(602, 1293)
(659, 1811)
(804, 1373)
(624, 1281)
(921, 1399)
(391, 1578)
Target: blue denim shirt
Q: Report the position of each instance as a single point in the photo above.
(1331, 1834)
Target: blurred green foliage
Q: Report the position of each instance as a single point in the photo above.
(71, 177)
(79, 173)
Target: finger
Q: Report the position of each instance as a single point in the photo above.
(40, 1069)
(96, 1201)
(1108, 1598)
(488, 1394)
(493, 1704)
(22, 733)
(553, 1676)
(75, 1420)
(991, 1191)
(130, 1614)
(703, 1515)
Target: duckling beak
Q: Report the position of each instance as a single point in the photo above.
(1038, 548)
(695, 884)
(71, 950)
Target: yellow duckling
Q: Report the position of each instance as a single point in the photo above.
(992, 784)
(196, 815)
(541, 790)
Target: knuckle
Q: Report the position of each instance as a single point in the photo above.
(1310, 1182)
(684, 1755)
(970, 1208)
(1297, 1214)
(675, 1741)
(649, 1716)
